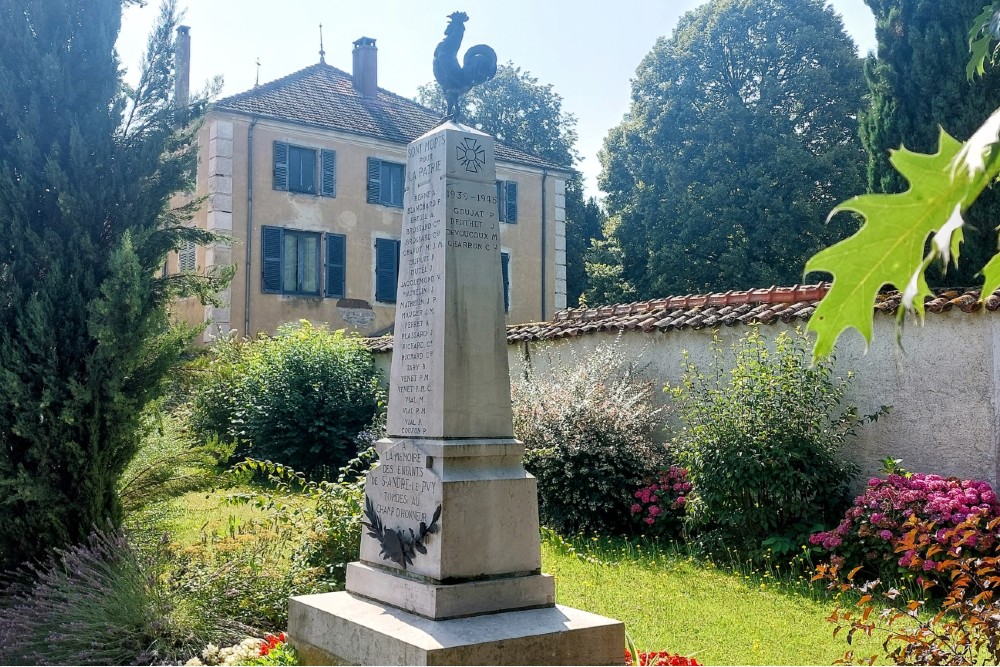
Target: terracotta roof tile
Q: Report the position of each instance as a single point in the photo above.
(697, 311)
(324, 96)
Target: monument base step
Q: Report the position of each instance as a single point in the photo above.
(343, 629)
(444, 601)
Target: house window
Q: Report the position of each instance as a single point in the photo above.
(386, 269)
(507, 201)
(291, 261)
(301, 170)
(385, 182)
(505, 276)
(295, 169)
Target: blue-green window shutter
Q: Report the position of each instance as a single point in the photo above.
(280, 165)
(336, 265)
(511, 202)
(329, 169)
(374, 180)
(505, 274)
(270, 280)
(386, 269)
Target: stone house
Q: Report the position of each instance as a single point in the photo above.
(306, 174)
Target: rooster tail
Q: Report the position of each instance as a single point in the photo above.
(479, 64)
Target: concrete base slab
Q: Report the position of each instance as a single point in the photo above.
(444, 601)
(340, 628)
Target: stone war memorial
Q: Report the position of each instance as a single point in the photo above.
(450, 565)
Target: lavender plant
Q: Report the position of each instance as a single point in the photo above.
(100, 603)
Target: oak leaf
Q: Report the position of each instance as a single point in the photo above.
(889, 249)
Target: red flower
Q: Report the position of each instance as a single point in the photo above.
(651, 658)
(270, 642)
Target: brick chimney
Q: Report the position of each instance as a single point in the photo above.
(182, 61)
(366, 67)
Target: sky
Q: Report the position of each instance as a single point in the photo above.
(587, 49)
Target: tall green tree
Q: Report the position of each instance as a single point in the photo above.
(518, 110)
(604, 264)
(741, 135)
(585, 222)
(87, 168)
(917, 85)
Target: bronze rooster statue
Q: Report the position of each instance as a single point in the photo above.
(479, 64)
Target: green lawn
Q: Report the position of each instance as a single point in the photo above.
(667, 600)
(672, 602)
(201, 517)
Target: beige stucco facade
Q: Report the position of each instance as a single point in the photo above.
(235, 173)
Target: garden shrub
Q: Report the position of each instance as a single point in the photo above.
(327, 531)
(245, 577)
(301, 398)
(962, 629)
(102, 603)
(873, 529)
(586, 428)
(762, 443)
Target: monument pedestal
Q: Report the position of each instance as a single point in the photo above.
(437, 601)
(342, 629)
(450, 565)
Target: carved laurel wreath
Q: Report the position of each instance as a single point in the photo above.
(398, 546)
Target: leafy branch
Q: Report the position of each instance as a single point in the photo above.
(398, 546)
(889, 247)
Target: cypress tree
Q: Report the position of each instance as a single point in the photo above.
(917, 85)
(87, 169)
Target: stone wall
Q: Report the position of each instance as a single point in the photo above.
(943, 385)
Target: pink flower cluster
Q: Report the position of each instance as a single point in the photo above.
(663, 500)
(873, 527)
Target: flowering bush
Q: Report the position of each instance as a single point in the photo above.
(659, 508)
(658, 658)
(586, 424)
(870, 533)
(271, 650)
(274, 651)
(965, 629)
(102, 602)
(271, 642)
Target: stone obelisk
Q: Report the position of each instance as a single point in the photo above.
(450, 566)
(451, 515)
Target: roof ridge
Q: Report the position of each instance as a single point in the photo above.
(381, 113)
